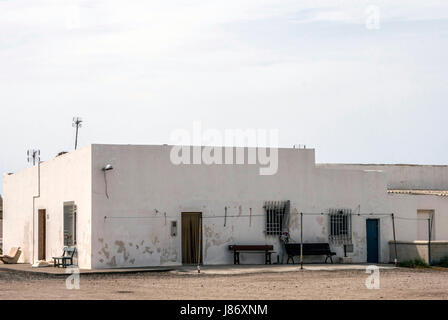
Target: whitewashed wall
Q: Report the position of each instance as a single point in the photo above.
(129, 227)
(65, 178)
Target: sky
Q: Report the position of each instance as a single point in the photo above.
(359, 81)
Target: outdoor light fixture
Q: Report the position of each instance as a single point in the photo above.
(108, 167)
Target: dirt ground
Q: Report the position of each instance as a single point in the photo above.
(394, 284)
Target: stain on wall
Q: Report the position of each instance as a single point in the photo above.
(122, 249)
(122, 253)
(168, 255)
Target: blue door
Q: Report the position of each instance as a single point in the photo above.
(372, 240)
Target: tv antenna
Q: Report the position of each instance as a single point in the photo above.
(33, 155)
(77, 124)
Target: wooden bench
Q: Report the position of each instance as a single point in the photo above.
(66, 259)
(266, 249)
(309, 249)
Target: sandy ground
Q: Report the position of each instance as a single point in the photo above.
(394, 284)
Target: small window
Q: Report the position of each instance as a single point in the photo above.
(69, 224)
(277, 214)
(340, 226)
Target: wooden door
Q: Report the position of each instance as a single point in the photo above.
(42, 234)
(191, 237)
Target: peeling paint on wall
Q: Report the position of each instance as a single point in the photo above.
(122, 249)
(148, 250)
(168, 255)
(213, 238)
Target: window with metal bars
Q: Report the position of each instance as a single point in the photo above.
(340, 226)
(69, 224)
(277, 215)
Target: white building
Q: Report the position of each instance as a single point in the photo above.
(140, 212)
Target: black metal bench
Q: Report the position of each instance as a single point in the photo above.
(66, 259)
(267, 249)
(309, 249)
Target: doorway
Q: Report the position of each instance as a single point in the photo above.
(372, 235)
(191, 237)
(42, 234)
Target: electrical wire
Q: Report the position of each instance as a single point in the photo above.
(413, 219)
(225, 216)
(210, 217)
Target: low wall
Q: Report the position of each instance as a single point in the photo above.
(408, 250)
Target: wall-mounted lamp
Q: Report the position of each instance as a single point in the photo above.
(106, 168)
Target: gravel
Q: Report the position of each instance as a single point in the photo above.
(399, 283)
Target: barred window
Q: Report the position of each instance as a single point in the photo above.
(69, 223)
(277, 215)
(340, 226)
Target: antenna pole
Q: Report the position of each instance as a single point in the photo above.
(33, 155)
(77, 124)
(76, 138)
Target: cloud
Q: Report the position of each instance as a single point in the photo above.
(137, 70)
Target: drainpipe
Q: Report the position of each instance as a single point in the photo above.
(34, 198)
